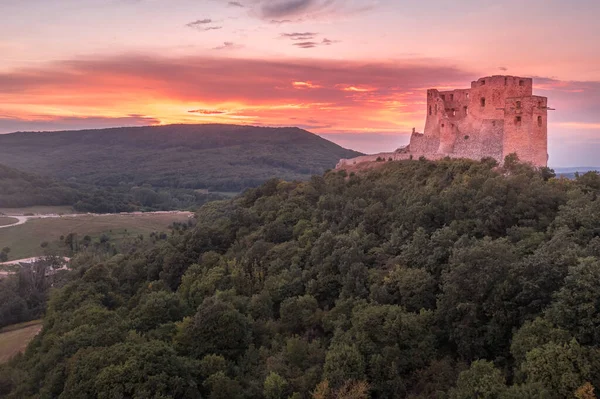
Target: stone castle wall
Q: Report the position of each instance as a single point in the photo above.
(497, 116)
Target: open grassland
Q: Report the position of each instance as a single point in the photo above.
(37, 210)
(25, 240)
(5, 221)
(14, 339)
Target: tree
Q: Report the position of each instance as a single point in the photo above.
(482, 381)
(534, 334)
(477, 305)
(577, 304)
(4, 254)
(275, 386)
(561, 368)
(343, 363)
(157, 308)
(216, 328)
(586, 391)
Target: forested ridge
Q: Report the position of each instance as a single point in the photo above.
(419, 279)
(216, 157)
(20, 189)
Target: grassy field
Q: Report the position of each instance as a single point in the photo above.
(41, 210)
(14, 339)
(5, 221)
(24, 240)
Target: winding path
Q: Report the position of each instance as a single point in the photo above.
(22, 219)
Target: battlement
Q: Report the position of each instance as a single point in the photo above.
(497, 116)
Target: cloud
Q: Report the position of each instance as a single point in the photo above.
(276, 9)
(299, 35)
(305, 85)
(200, 22)
(306, 44)
(284, 11)
(504, 69)
(235, 4)
(228, 46)
(313, 44)
(200, 25)
(207, 112)
(253, 91)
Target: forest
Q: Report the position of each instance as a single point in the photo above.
(452, 279)
(20, 189)
(226, 158)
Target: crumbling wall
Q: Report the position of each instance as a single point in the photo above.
(485, 142)
(421, 144)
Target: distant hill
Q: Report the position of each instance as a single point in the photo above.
(570, 172)
(579, 169)
(20, 189)
(215, 157)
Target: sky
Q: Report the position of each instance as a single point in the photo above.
(353, 71)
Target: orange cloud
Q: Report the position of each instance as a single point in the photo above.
(351, 96)
(305, 85)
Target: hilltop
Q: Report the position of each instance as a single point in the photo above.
(418, 279)
(214, 157)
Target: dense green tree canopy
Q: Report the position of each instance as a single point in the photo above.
(417, 279)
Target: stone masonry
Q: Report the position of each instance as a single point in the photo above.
(497, 116)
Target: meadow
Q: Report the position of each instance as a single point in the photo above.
(14, 339)
(26, 240)
(5, 221)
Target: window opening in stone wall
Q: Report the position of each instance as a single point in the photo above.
(521, 83)
(443, 125)
(451, 97)
(518, 120)
(466, 110)
(505, 81)
(452, 112)
(443, 97)
(540, 121)
(483, 82)
(467, 94)
(436, 109)
(518, 104)
(430, 110)
(483, 101)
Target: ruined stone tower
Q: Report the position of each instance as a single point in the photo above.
(497, 116)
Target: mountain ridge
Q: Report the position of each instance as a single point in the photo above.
(213, 156)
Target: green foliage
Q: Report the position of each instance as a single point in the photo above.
(343, 363)
(275, 386)
(577, 303)
(215, 157)
(217, 327)
(481, 380)
(447, 279)
(562, 368)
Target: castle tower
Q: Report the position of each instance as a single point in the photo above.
(495, 117)
(482, 121)
(526, 129)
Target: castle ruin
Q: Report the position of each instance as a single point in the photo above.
(497, 116)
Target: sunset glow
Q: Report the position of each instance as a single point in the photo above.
(353, 71)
